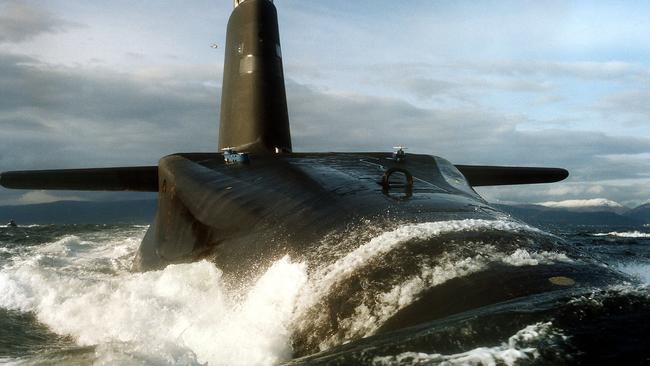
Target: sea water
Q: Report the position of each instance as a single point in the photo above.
(68, 296)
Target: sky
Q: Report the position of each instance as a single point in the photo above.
(542, 83)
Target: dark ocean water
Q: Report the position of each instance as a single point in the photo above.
(67, 296)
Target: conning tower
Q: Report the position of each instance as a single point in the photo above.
(254, 113)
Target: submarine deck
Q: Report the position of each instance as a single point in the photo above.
(293, 200)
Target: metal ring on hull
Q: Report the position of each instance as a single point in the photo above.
(407, 186)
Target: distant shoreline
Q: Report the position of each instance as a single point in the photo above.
(144, 211)
(81, 212)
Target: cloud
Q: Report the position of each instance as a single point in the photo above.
(594, 202)
(630, 194)
(330, 121)
(630, 106)
(463, 88)
(45, 197)
(588, 70)
(56, 116)
(345, 121)
(21, 22)
(425, 87)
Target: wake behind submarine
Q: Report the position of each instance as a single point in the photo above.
(396, 243)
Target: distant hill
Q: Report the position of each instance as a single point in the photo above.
(81, 212)
(642, 213)
(588, 205)
(143, 212)
(541, 215)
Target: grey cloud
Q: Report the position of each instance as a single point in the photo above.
(135, 55)
(426, 88)
(467, 88)
(329, 122)
(631, 106)
(631, 195)
(579, 69)
(529, 68)
(20, 123)
(97, 94)
(471, 135)
(21, 22)
(468, 80)
(58, 117)
(357, 121)
(55, 116)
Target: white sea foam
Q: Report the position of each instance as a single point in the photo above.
(597, 298)
(640, 270)
(180, 315)
(368, 316)
(522, 257)
(81, 286)
(14, 227)
(625, 234)
(386, 242)
(520, 346)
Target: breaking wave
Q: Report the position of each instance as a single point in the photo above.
(395, 268)
(81, 286)
(405, 293)
(389, 240)
(521, 346)
(640, 270)
(625, 234)
(180, 315)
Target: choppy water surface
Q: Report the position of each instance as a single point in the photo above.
(67, 296)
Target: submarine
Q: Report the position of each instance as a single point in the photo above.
(388, 233)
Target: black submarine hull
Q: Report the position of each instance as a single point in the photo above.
(289, 202)
(389, 244)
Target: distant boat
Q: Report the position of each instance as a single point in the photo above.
(12, 223)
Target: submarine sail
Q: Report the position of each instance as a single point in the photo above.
(254, 113)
